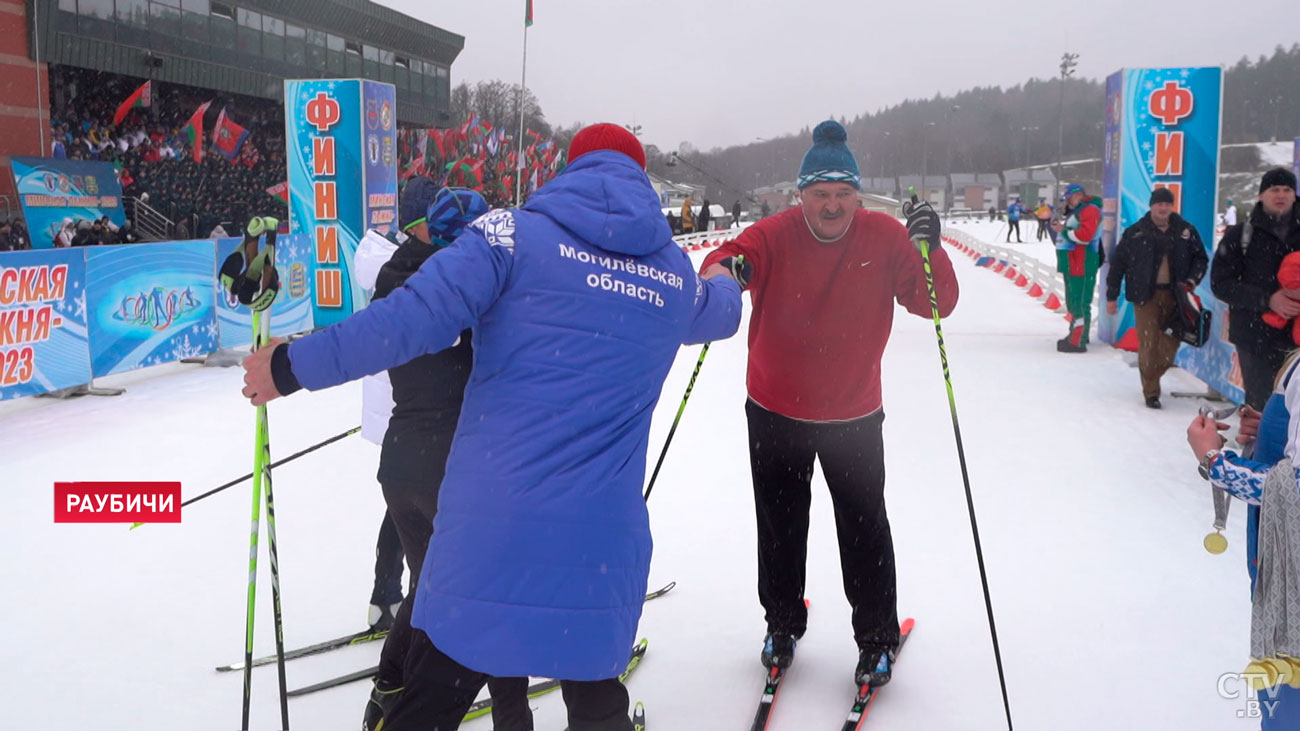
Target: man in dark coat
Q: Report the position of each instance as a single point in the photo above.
(1159, 252)
(1244, 276)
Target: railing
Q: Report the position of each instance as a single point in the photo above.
(149, 222)
(9, 206)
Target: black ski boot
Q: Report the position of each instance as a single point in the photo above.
(875, 666)
(382, 616)
(778, 650)
(382, 697)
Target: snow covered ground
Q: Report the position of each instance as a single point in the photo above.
(1110, 614)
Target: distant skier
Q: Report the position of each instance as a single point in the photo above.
(540, 553)
(1044, 215)
(1014, 212)
(825, 279)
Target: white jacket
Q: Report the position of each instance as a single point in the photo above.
(373, 252)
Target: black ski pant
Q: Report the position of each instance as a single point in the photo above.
(412, 503)
(440, 690)
(1013, 226)
(388, 565)
(852, 455)
(1042, 229)
(1259, 369)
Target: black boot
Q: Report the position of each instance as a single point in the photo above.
(1153, 402)
(382, 698)
(778, 650)
(875, 666)
(1065, 346)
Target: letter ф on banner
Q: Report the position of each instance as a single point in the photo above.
(117, 502)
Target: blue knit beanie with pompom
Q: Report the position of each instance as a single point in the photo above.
(829, 159)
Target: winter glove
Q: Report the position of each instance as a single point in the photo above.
(739, 269)
(922, 223)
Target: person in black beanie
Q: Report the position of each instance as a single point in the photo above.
(1159, 252)
(1244, 276)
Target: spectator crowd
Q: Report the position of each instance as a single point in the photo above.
(153, 155)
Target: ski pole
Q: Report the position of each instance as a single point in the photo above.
(678, 418)
(249, 613)
(264, 443)
(278, 463)
(961, 457)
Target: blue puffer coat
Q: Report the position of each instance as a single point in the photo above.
(578, 303)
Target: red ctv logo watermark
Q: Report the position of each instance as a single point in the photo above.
(117, 502)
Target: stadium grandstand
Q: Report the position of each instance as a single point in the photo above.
(68, 66)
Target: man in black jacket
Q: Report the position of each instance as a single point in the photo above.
(1159, 252)
(427, 397)
(1244, 276)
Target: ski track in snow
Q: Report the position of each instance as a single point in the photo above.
(1110, 614)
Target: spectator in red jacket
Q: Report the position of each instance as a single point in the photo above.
(823, 278)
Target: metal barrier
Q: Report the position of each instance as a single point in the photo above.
(152, 225)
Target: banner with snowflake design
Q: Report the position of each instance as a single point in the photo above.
(43, 343)
(150, 304)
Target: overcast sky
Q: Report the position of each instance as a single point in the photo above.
(723, 72)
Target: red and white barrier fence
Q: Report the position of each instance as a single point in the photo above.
(1039, 280)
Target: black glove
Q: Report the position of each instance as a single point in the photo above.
(922, 223)
(739, 269)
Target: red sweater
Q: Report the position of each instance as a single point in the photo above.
(814, 354)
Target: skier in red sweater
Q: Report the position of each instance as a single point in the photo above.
(823, 278)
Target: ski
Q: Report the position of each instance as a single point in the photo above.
(768, 699)
(356, 638)
(542, 687)
(370, 672)
(770, 689)
(867, 694)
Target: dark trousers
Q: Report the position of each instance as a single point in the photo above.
(1042, 229)
(1013, 226)
(852, 455)
(439, 691)
(411, 506)
(1258, 371)
(388, 565)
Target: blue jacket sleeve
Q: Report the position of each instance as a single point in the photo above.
(717, 310)
(449, 293)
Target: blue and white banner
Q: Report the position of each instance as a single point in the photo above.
(381, 156)
(339, 134)
(43, 343)
(150, 304)
(53, 192)
(1169, 124)
(292, 311)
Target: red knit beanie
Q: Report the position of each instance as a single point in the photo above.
(606, 137)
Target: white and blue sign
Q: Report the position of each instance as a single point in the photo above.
(1163, 131)
(53, 192)
(43, 335)
(292, 311)
(340, 142)
(150, 304)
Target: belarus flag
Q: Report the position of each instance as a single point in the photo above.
(141, 97)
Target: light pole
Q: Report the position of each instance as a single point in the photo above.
(1026, 131)
(1068, 62)
(882, 156)
(634, 128)
(925, 158)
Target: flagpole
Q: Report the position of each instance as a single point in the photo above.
(523, 85)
